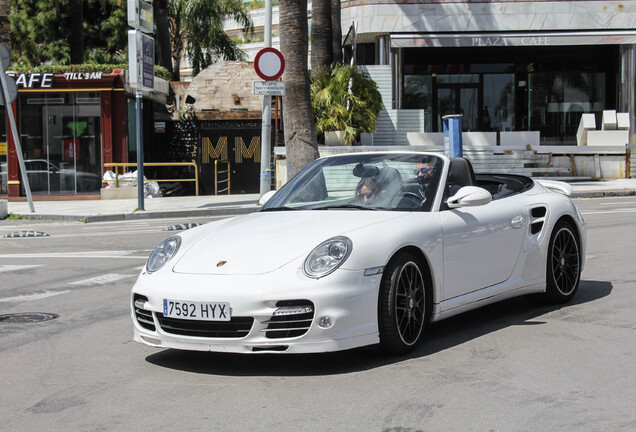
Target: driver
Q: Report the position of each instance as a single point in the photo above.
(425, 172)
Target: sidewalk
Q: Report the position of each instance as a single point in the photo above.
(127, 209)
(217, 205)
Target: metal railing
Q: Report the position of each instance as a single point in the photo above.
(157, 164)
(216, 177)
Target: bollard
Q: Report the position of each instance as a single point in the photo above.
(453, 135)
(4, 212)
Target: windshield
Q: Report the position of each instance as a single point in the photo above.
(390, 181)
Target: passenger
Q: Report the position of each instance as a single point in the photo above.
(367, 190)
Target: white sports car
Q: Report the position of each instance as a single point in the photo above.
(360, 249)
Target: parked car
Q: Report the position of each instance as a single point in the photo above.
(46, 176)
(326, 265)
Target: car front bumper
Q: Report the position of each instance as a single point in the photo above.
(347, 300)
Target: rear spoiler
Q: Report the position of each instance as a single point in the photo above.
(556, 186)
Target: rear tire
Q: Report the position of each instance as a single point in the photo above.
(563, 272)
(402, 304)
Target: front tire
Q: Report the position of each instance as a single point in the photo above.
(564, 264)
(402, 305)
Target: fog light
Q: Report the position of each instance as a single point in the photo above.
(293, 310)
(325, 322)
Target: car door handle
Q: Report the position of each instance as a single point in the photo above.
(517, 221)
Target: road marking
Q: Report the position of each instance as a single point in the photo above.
(88, 254)
(12, 267)
(611, 203)
(101, 280)
(30, 297)
(613, 211)
(109, 233)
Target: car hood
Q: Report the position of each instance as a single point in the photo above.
(262, 242)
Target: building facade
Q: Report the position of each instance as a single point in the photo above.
(503, 65)
(69, 126)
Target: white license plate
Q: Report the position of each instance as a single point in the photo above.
(204, 311)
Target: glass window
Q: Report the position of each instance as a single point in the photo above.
(458, 79)
(498, 112)
(61, 140)
(558, 100)
(388, 181)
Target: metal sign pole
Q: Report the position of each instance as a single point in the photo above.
(140, 149)
(266, 129)
(16, 140)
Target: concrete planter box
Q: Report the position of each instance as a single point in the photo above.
(334, 138)
(119, 193)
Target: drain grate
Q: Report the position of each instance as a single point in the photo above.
(27, 317)
(26, 234)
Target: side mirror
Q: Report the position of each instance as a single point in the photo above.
(469, 196)
(266, 197)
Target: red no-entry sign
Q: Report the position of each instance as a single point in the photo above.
(269, 64)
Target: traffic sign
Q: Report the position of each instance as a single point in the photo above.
(12, 89)
(141, 60)
(140, 15)
(269, 88)
(269, 64)
(5, 57)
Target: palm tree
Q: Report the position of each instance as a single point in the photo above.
(336, 31)
(196, 27)
(299, 127)
(76, 41)
(162, 20)
(345, 99)
(321, 36)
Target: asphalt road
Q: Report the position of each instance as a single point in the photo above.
(507, 367)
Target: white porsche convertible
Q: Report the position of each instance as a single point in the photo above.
(360, 249)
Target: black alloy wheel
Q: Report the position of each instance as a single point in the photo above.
(564, 263)
(402, 305)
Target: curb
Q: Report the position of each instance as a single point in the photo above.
(118, 217)
(603, 194)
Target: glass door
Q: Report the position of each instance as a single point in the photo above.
(459, 100)
(61, 139)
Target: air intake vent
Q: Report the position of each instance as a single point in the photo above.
(538, 219)
(237, 327)
(143, 316)
(292, 319)
(538, 212)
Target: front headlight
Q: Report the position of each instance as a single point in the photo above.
(327, 257)
(163, 253)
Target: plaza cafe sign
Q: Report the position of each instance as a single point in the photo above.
(45, 80)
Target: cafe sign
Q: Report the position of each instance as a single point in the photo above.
(513, 39)
(45, 80)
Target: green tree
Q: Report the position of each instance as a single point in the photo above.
(345, 99)
(197, 28)
(37, 35)
(48, 31)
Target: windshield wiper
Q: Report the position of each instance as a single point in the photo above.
(345, 206)
(273, 209)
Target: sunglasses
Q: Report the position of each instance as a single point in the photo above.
(367, 195)
(422, 170)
